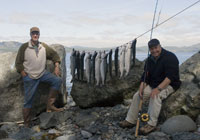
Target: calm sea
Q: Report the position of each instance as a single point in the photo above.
(182, 56)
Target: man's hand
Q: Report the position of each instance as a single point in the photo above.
(57, 71)
(23, 73)
(154, 93)
(140, 93)
(141, 89)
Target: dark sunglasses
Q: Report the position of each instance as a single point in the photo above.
(35, 33)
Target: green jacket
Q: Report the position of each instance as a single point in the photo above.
(50, 55)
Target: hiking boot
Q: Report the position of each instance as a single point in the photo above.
(147, 129)
(126, 124)
(51, 100)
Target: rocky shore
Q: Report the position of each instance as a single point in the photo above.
(97, 123)
(87, 119)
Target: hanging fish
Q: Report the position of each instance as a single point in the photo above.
(73, 63)
(122, 60)
(82, 55)
(78, 64)
(103, 67)
(116, 61)
(110, 63)
(128, 56)
(93, 65)
(88, 67)
(97, 68)
(133, 47)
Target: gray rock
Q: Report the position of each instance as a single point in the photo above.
(86, 95)
(38, 136)
(10, 127)
(54, 131)
(185, 136)
(60, 49)
(67, 137)
(186, 99)
(3, 134)
(8, 139)
(23, 134)
(84, 119)
(11, 88)
(48, 120)
(180, 123)
(94, 138)
(198, 130)
(158, 136)
(86, 134)
(198, 120)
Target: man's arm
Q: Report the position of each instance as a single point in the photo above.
(53, 56)
(20, 59)
(141, 89)
(160, 87)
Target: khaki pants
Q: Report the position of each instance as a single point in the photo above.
(154, 105)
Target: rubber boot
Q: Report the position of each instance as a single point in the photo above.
(27, 116)
(51, 100)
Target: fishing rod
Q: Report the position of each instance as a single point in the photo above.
(145, 74)
(168, 19)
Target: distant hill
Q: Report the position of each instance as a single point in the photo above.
(12, 46)
(193, 48)
(6, 46)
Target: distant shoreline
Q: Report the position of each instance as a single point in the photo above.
(14, 46)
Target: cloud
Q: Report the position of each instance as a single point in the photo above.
(101, 28)
(27, 18)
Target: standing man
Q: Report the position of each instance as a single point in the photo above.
(162, 78)
(31, 64)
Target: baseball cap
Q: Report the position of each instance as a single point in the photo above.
(153, 42)
(34, 29)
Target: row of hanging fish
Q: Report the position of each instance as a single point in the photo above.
(98, 64)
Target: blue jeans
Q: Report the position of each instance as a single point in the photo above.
(30, 86)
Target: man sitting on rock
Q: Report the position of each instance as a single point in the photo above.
(160, 79)
(31, 63)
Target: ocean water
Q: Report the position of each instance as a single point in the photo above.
(182, 56)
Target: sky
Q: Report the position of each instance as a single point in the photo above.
(99, 23)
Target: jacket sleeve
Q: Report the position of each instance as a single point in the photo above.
(20, 58)
(51, 54)
(171, 67)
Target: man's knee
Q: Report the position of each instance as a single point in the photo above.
(136, 95)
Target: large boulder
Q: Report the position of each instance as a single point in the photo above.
(186, 99)
(180, 123)
(11, 87)
(89, 95)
